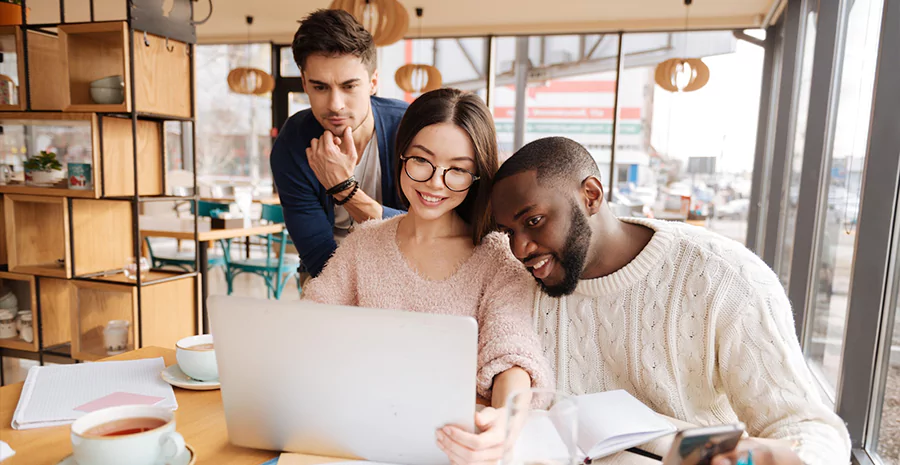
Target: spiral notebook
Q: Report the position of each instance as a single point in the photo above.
(60, 394)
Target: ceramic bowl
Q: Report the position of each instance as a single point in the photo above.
(110, 82)
(107, 96)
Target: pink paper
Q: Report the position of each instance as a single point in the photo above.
(116, 399)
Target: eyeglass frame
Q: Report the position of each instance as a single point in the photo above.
(434, 168)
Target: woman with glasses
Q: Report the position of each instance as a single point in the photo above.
(442, 256)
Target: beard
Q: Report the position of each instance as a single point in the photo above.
(574, 255)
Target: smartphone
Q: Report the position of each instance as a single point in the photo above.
(697, 446)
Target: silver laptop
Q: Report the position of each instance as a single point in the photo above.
(343, 381)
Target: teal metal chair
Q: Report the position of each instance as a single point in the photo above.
(185, 260)
(274, 270)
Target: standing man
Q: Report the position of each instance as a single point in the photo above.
(333, 163)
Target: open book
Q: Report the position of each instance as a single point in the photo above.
(608, 422)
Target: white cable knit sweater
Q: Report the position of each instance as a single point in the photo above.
(698, 328)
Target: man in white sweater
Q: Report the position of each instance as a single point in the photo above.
(691, 323)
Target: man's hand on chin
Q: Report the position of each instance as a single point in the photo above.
(333, 159)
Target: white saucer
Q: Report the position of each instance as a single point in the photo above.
(174, 376)
(187, 458)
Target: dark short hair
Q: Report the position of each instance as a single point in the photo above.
(333, 33)
(468, 112)
(558, 161)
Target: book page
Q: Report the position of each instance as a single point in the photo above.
(614, 421)
(540, 439)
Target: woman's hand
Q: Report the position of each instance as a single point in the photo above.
(464, 448)
(765, 452)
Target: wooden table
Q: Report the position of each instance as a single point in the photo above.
(271, 200)
(200, 418)
(183, 228)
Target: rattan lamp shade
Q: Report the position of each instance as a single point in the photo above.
(666, 75)
(250, 81)
(386, 20)
(418, 78)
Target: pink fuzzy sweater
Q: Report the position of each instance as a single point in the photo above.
(368, 270)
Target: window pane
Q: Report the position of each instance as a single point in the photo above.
(844, 183)
(233, 130)
(570, 92)
(888, 438)
(289, 68)
(697, 144)
(460, 61)
(789, 222)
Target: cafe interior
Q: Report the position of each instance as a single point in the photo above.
(135, 139)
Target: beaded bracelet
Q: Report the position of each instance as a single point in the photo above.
(352, 193)
(342, 186)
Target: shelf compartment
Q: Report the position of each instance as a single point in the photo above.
(102, 235)
(150, 278)
(162, 93)
(74, 137)
(13, 68)
(55, 299)
(37, 235)
(94, 51)
(169, 313)
(118, 161)
(79, 137)
(44, 64)
(23, 287)
(93, 305)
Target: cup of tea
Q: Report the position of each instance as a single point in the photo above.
(197, 357)
(133, 434)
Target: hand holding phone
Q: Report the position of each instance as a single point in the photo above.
(697, 446)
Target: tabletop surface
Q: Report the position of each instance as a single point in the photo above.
(265, 200)
(183, 228)
(200, 418)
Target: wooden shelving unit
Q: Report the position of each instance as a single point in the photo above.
(65, 248)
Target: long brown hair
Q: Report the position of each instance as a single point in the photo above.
(469, 113)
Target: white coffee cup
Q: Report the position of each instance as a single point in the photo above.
(197, 361)
(156, 446)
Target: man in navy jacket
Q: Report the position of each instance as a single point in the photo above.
(333, 164)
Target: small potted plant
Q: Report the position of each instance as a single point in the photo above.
(11, 12)
(43, 169)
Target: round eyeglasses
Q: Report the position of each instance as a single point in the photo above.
(421, 170)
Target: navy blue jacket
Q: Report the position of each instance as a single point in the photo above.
(308, 212)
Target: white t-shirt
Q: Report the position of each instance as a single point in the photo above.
(368, 174)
